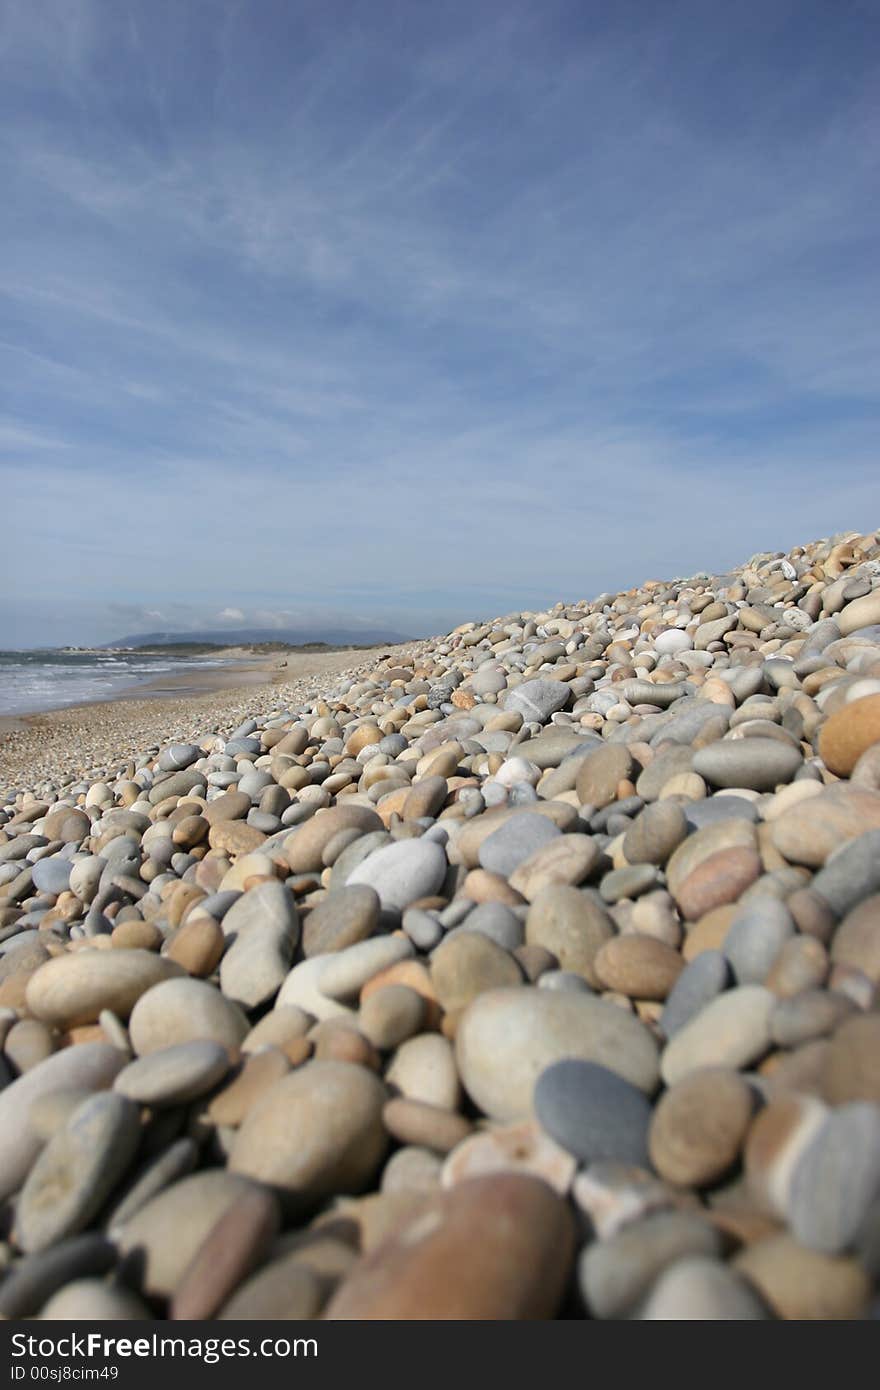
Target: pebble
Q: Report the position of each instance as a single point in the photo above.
(423, 1069)
(345, 973)
(592, 1112)
(857, 939)
(185, 1010)
(733, 1030)
(263, 927)
(76, 1171)
(850, 1070)
(801, 1284)
(638, 966)
(174, 1075)
(495, 1248)
(89, 1066)
(755, 939)
(699, 1127)
(701, 1290)
(33, 1280)
(537, 699)
(760, 764)
(701, 981)
(73, 989)
(163, 1237)
(507, 1038)
(350, 915)
(466, 965)
(570, 925)
(614, 1274)
(316, 1133)
(238, 1242)
(836, 1180)
(403, 872)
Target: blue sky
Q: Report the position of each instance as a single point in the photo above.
(411, 313)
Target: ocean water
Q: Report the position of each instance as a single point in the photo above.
(40, 680)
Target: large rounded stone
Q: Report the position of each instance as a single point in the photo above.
(164, 1236)
(572, 926)
(343, 918)
(73, 989)
(174, 1075)
(639, 966)
(315, 1134)
(848, 732)
(536, 700)
(593, 1113)
(809, 832)
(495, 1248)
(732, 1030)
(857, 940)
(759, 763)
(700, 1126)
(304, 849)
(77, 1170)
(263, 927)
(506, 1038)
(700, 1289)
(403, 872)
(185, 1010)
(615, 1273)
(89, 1066)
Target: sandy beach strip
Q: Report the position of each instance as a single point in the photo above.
(69, 742)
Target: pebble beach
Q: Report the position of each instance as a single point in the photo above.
(526, 972)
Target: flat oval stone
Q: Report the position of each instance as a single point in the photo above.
(721, 878)
(77, 1170)
(403, 872)
(615, 1274)
(506, 1038)
(34, 1279)
(174, 1075)
(758, 933)
(600, 772)
(168, 1231)
(89, 1066)
(263, 927)
(850, 874)
(760, 764)
(343, 918)
(537, 699)
(797, 1283)
(185, 1010)
(423, 1069)
(514, 841)
(655, 833)
(700, 1289)
(639, 966)
(235, 1245)
(700, 1126)
(836, 1179)
(467, 964)
(731, 1031)
(73, 989)
(315, 1134)
(565, 859)
(809, 832)
(52, 874)
(304, 849)
(344, 973)
(494, 1248)
(593, 1113)
(701, 981)
(572, 926)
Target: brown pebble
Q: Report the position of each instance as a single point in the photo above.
(414, 1122)
(494, 1248)
(641, 967)
(699, 1127)
(260, 1070)
(143, 935)
(851, 1069)
(198, 946)
(237, 1243)
(720, 879)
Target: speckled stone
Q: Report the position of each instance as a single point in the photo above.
(592, 1112)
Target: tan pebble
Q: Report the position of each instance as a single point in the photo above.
(415, 975)
(391, 1015)
(260, 1070)
(466, 965)
(481, 886)
(699, 1127)
(800, 1284)
(848, 733)
(851, 1071)
(283, 1024)
(235, 837)
(857, 939)
(198, 946)
(801, 964)
(134, 935)
(413, 1122)
(336, 1041)
(28, 1043)
(709, 933)
(720, 879)
(638, 966)
(798, 1070)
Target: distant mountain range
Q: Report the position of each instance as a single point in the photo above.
(247, 636)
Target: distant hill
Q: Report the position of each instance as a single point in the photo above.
(249, 636)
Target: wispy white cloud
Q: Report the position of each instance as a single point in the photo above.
(515, 301)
